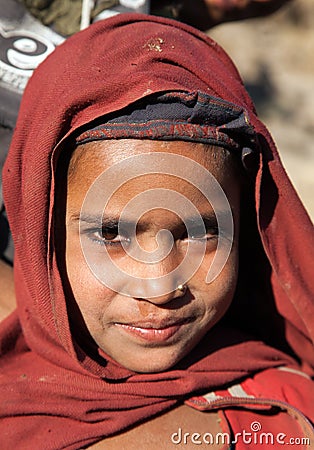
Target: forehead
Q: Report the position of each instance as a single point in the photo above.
(94, 158)
(148, 174)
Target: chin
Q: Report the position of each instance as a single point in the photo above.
(153, 368)
(154, 363)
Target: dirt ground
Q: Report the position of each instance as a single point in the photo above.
(275, 56)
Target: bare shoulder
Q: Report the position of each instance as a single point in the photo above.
(7, 295)
(166, 431)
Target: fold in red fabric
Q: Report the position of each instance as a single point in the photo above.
(56, 395)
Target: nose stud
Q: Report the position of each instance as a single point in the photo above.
(182, 289)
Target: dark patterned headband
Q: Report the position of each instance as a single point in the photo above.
(194, 117)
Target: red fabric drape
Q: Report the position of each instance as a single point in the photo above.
(50, 397)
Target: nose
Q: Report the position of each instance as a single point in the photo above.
(158, 293)
(160, 282)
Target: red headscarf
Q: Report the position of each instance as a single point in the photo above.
(53, 394)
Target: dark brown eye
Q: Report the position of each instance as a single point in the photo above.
(109, 233)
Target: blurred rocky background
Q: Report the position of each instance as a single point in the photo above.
(275, 56)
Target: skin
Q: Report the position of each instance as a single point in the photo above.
(156, 433)
(144, 332)
(7, 295)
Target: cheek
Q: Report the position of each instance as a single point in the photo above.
(218, 295)
(91, 296)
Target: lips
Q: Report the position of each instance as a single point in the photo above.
(153, 332)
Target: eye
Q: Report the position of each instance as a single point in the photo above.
(108, 236)
(199, 234)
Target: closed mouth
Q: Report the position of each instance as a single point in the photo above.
(153, 332)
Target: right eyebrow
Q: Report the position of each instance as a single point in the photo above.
(103, 221)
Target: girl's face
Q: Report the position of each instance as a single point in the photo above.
(150, 325)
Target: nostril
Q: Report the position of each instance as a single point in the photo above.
(161, 295)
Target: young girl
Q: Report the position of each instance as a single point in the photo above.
(163, 259)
